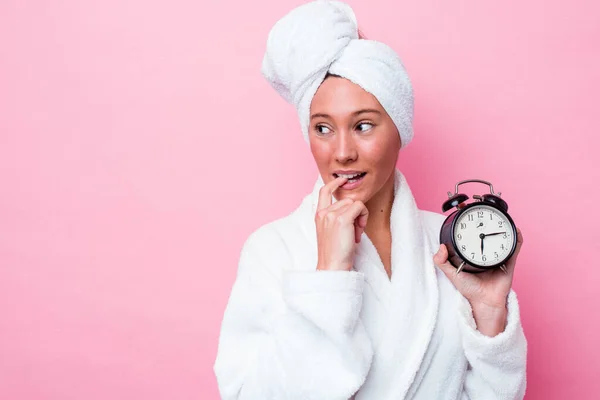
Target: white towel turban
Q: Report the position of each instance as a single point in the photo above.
(322, 36)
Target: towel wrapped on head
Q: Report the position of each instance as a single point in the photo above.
(320, 38)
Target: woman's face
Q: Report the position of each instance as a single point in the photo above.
(349, 132)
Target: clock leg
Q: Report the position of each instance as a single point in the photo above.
(503, 268)
(460, 268)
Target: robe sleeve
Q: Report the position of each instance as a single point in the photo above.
(496, 365)
(291, 334)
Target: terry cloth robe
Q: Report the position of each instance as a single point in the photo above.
(292, 332)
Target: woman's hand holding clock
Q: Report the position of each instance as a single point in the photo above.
(487, 291)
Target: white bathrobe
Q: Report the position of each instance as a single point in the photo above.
(292, 332)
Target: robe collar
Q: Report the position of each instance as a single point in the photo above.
(410, 298)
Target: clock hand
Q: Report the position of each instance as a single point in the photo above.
(482, 236)
(492, 234)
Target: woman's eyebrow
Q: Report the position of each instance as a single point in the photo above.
(355, 113)
(366, 110)
(317, 115)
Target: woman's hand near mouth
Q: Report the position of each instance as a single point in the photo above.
(339, 228)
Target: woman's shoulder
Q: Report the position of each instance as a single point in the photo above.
(272, 232)
(281, 233)
(432, 217)
(432, 221)
(278, 245)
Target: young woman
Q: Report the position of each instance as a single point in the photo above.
(351, 295)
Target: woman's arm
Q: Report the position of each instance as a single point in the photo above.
(497, 364)
(298, 336)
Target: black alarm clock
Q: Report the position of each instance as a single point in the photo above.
(479, 236)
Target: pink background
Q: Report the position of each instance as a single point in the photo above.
(140, 146)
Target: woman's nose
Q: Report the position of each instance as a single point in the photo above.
(345, 150)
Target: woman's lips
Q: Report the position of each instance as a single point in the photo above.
(354, 183)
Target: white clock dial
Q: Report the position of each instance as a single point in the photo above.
(483, 235)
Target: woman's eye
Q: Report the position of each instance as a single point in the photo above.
(322, 129)
(364, 126)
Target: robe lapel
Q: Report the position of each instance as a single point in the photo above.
(410, 300)
(413, 298)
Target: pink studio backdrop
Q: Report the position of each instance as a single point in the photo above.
(140, 146)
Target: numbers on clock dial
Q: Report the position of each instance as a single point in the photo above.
(497, 231)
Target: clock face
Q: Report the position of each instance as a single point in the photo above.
(483, 235)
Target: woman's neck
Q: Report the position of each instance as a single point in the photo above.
(380, 209)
